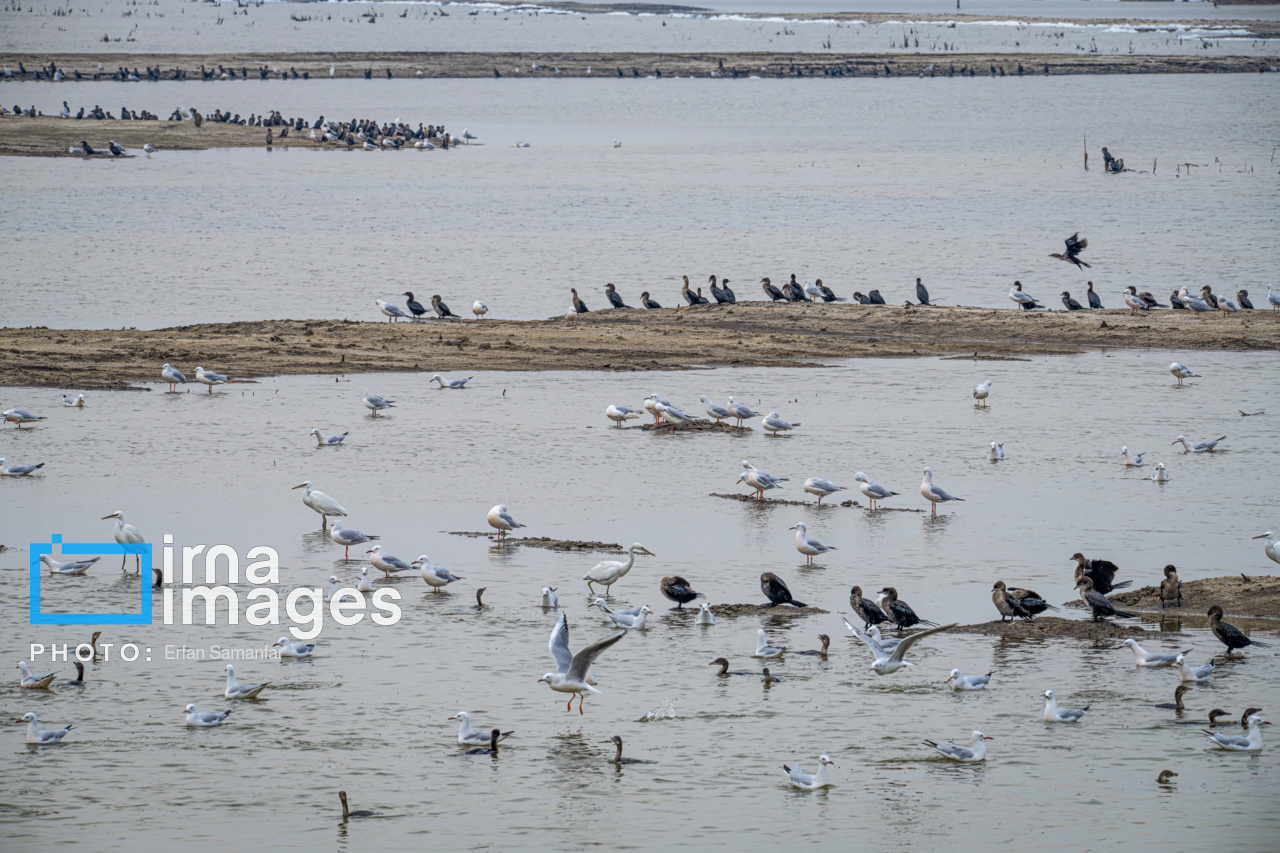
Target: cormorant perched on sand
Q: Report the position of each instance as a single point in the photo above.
(647, 302)
(774, 293)
(614, 299)
(415, 307)
(441, 309)
(1070, 303)
(578, 304)
(776, 591)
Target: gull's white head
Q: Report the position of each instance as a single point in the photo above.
(599, 602)
(376, 549)
(823, 759)
(284, 641)
(29, 717)
(773, 415)
(548, 678)
(928, 473)
(462, 717)
(993, 445)
(955, 673)
(190, 708)
(1048, 694)
(332, 579)
(315, 431)
(1179, 438)
(1180, 660)
(801, 526)
(979, 736)
(705, 399)
(744, 475)
(860, 477)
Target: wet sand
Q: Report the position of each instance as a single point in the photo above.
(544, 542)
(1248, 596)
(750, 334)
(1046, 627)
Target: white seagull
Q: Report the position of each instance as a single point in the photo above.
(673, 416)
(572, 671)
(888, 662)
(997, 452)
(386, 563)
(609, 572)
(435, 576)
(872, 490)
(1273, 298)
(468, 736)
(1135, 303)
(74, 402)
(1020, 296)
(715, 410)
(35, 734)
(808, 546)
(204, 719)
(375, 404)
(1198, 446)
(150, 149)
(632, 622)
(810, 781)
(977, 752)
(774, 424)
(968, 682)
(651, 406)
(741, 412)
(32, 681)
(348, 536)
(173, 376)
(323, 440)
(209, 378)
(501, 520)
(1054, 714)
(821, 488)
(479, 309)
(21, 416)
(7, 470)
(705, 616)
(982, 392)
(393, 312)
(618, 414)
(935, 494)
(1162, 476)
(449, 383)
(549, 598)
(1236, 743)
(126, 534)
(888, 643)
(1182, 372)
(74, 567)
(236, 690)
(364, 585)
(320, 502)
(1131, 460)
(764, 649)
(290, 649)
(1142, 657)
(1193, 673)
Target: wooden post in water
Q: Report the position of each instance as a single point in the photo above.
(1086, 151)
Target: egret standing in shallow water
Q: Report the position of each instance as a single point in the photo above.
(320, 502)
(126, 534)
(1271, 547)
(609, 572)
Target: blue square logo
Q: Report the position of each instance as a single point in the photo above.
(143, 551)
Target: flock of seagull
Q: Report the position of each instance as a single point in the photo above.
(573, 674)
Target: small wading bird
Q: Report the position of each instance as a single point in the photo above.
(573, 671)
(1074, 247)
(320, 502)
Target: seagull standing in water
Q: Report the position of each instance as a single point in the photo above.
(810, 781)
(434, 576)
(968, 754)
(1182, 372)
(208, 378)
(173, 376)
(741, 412)
(573, 671)
(204, 719)
(982, 391)
(872, 490)
(775, 424)
(821, 488)
(651, 404)
(935, 494)
(320, 502)
(375, 404)
(714, 410)
(618, 414)
(348, 536)
(808, 546)
(501, 520)
(236, 690)
(386, 563)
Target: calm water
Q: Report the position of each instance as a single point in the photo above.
(368, 713)
(188, 27)
(863, 183)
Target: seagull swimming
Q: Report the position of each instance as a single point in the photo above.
(1161, 475)
(1193, 673)
(1235, 743)
(386, 563)
(74, 567)
(74, 402)
(1131, 460)
(37, 735)
(1142, 657)
(997, 452)
(236, 690)
(290, 649)
(764, 649)
(33, 681)
(7, 470)
(323, 440)
(450, 383)
(810, 781)
(468, 736)
(204, 719)
(1054, 714)
(705, 616)
(1198, 446)
(968, 682)
(549, 597)
(977, 752)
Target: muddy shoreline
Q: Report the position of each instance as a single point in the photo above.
(748, 334)
(1247, 596)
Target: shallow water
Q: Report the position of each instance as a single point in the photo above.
(163, 26)
(368, 714)
(863, 183)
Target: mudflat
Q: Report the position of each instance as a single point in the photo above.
(748, 334)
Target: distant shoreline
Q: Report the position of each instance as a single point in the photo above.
(751, 333)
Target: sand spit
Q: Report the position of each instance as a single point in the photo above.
(1248, 596)
(749, 334)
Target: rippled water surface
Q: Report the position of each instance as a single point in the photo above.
(862, 183)
(368, 713)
